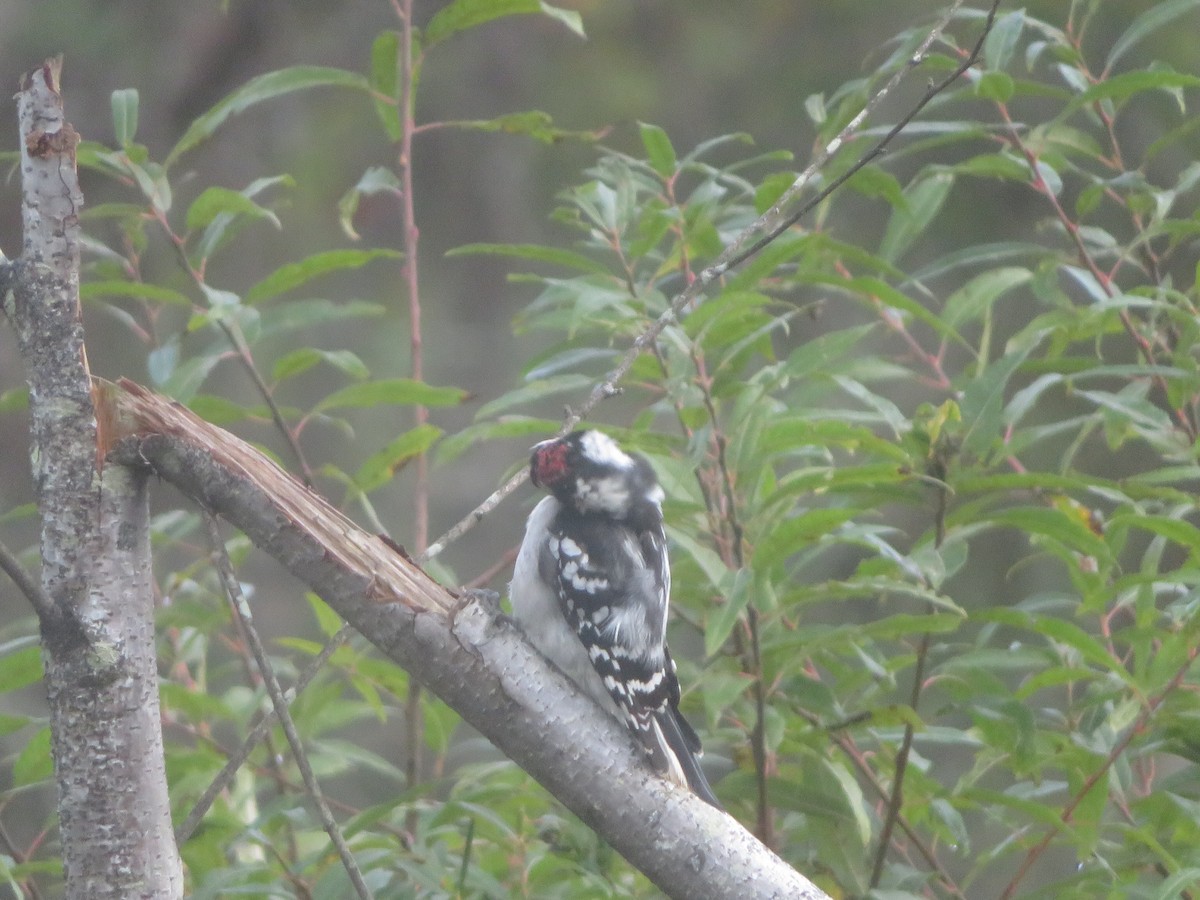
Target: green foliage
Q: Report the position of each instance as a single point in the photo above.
(932, 485)
(971, 466)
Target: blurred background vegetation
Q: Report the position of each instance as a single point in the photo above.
(697, 69)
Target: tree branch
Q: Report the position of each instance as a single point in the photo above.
(26, 584)
(469, 655)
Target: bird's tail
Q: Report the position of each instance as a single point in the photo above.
(680, 745)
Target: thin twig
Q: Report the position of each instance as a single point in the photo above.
(1103, 280)
(500, 565)
(240, 348)
(236, 760)
(19, 856)
(850, 749)
(896, 801)
(752, 654)
(242, 610)
(1118, 750)
(770, 225)
(44, 607)
(758, 734)
(414, 719)
(247, 358)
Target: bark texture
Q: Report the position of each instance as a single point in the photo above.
(468, 654)
(98, 626)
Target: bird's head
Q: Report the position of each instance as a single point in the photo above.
(588, 471)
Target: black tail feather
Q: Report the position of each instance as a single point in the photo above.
(685, 745)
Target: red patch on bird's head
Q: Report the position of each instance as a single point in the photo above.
(548, 464)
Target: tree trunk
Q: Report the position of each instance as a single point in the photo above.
(96, 608)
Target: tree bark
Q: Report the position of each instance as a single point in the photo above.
(97, 618)
(473, 658)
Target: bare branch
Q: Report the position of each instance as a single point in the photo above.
(26, 584)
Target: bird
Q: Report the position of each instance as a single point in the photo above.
(591, 588)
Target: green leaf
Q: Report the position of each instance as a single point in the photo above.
(385, 55)
(1176, 886)
(380, 467)
(228, 221)
(440, 722)
(22, 512)
(376, 180)
(853, 797)
(151, 180)
(328, 621)
(1002, 40)
(34, 764)
(568, 17)
(394, 391)
(1185, 534)
(878, 289)
(14, 400)
(463, 14)
(723, 618)
(532, 123)
(291, 276)
(184, 379)
(124, 115)
(533, 392)
(922, 201)
(1052, 522)
(218, 200)
(137, 290)
(307, 313)
(257, 90)
(162, 360)
(1122, 87)
(574, 358)
(770, 189)
(706, 559)
(906, 625)
(1089, 648)
(821, 355)
(659, 152)
(887, 411)
(983, 402)
(1004, 166)
(20, 666)
(798, 533)
(1157, 16)
(295, 363)
(482, 433)
(995, 86)
(975, 298)
(9, 724)
(304, 358)
(219, 410)
(1026, 398)
(535, 253)
(873, 181)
